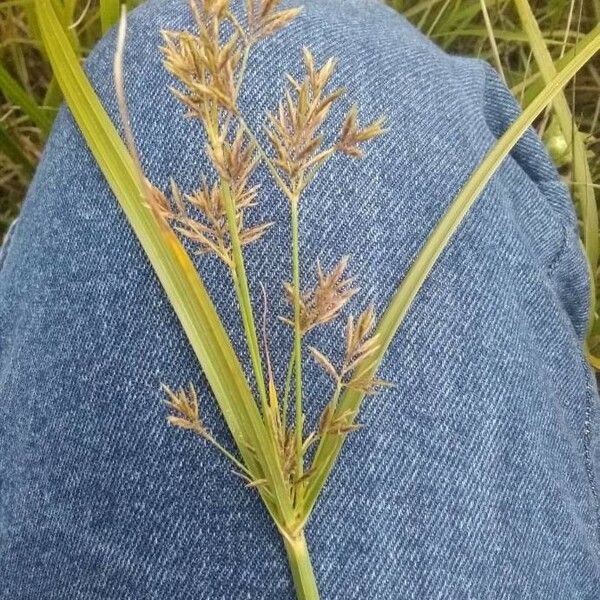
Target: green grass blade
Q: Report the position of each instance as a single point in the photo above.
(69, 7)
(53, 97)
(172, 265)
(16, 95)
(531, 86)
(499, 34)
(330, 445)
(492, 38)
(109, 13)
(32, 23)
(583, 188)
(13, 151)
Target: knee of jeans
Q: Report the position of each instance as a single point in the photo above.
(443, 114)
(541, 204)
(386, 65)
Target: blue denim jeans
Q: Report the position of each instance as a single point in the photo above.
(476, 476)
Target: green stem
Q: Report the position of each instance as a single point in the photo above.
(243, 295)
(265, 158)
(438, 240)
(336, 396)
(297, 343)
(301, 567)
(211, 440)
(286, 392)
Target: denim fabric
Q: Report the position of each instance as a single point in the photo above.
(475, 477)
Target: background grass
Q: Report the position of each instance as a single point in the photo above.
(504, 32)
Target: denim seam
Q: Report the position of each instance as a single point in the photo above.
(589, 405)
(587, 444)
(562, 249)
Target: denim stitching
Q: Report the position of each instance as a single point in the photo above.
(561, 251)
(589, 405)
(587, 443)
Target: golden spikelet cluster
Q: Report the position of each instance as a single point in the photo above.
(211, 234)
(209, 66)
(235, 162)
(185, 409)
(295, 129)
(325, 301)
(264, 19)
(207, 63)
(201, 217)
(357, 369)
(185, 414)
(202, 62)
(352, 136)
(361, 346)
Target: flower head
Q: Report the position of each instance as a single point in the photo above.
(325, 301)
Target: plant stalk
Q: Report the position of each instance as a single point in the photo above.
(330, 445)
(297, 344)
(286, 391)
(243, 294)
(303, 575)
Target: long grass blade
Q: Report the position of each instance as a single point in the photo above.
(491, 36)
(173, 267)
(531, 86)
(582, 187)
(16, 95)
(330, 445)
(109, 13)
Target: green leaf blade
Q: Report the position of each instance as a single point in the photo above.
(15, 94)
(330, 445)
(172, 265)
(109, 13)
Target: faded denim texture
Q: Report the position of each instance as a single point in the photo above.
(475, 477)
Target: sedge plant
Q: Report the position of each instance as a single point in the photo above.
(526, 43)
(210, 66)
(265, 417)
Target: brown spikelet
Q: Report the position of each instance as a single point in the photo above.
(342, 424)
(324, 362)
(325, 419)
(206, 224)
(185, 410)
(323, 303)
(205, 63)
(336, 424)
(209, 235)
(305, 476)
(352, 136)
(361, 353)
(289, 454)
(158, 202)
(235, 161)
(264, 19)
(250, 482)
(295, 128)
